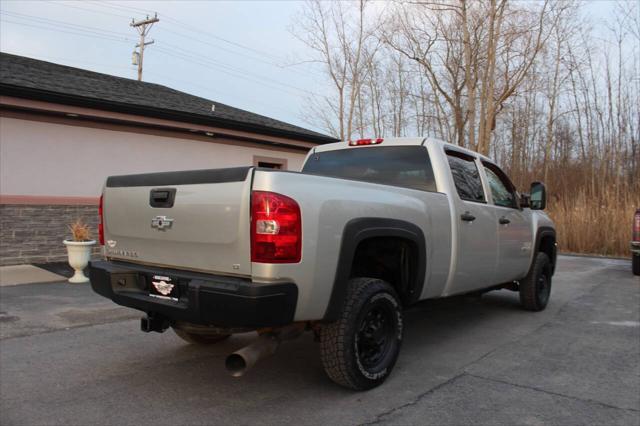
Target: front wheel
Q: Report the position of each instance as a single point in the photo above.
(535, 288)
(359, 350)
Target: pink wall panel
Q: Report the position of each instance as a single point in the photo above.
(56, 160)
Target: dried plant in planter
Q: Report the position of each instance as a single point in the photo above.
(80, 231)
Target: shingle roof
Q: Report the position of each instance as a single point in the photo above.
(41, 80)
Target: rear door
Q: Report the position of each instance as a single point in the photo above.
(196, 220)
(514, 230)
(477, 242)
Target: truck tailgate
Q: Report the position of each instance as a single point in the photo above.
(195, 220)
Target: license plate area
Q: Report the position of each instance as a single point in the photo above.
(164, 287)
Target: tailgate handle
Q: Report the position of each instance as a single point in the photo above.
(162, 197)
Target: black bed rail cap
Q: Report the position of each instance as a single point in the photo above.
(187, 177)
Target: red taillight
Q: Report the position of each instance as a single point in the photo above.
(276, 228)
(636, 226)
(101, 223)
(366, 142)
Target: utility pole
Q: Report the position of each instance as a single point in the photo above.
(143, 27)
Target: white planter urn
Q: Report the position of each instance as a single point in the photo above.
(79, 255)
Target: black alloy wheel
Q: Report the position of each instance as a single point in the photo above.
(360, 349)
(376, 337)
(535, 288)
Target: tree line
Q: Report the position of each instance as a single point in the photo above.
(549, 92)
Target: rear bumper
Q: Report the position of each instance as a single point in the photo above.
(635, 247)
(203, 299)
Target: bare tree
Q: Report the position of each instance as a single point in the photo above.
(530, 83)
(337, 36)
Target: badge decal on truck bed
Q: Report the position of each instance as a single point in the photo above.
(163, 287)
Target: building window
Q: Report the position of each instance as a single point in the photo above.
(270, 162)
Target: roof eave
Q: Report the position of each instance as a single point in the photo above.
(80, 101)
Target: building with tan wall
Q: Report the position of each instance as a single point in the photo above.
(63, 130)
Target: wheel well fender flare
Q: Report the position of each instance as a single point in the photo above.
(361, 229)
(546, 231)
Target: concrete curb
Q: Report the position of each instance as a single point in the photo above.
(27, 274)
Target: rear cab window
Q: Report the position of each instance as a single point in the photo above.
(466, 176)
(404, 166)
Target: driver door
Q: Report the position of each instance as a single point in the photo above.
(515, 235)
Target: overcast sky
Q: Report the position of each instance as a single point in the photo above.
(236, 52)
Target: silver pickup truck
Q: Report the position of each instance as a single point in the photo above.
(367, 228)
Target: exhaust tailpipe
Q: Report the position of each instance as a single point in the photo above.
(242, 360)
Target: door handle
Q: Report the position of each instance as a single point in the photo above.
(467, 217)
(162, 197)
(504, 221)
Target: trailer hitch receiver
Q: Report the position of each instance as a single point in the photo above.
(153, 323)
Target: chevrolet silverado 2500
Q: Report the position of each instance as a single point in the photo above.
(367, 228)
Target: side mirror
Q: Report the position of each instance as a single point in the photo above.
(538, 196)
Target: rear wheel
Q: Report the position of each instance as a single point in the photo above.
(635, 264)
(535, 288)
(360, 349)
(199, 335)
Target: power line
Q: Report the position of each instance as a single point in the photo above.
(91, 32)
(73, 62)
(62, 23)
(175, 51)
(189, 27)
(114, 6)
(206, 63)
(197, 56)
(255, 58)
(202, 61)
(99, 12)
(76, 32)
(117, 6)
(239, 45)
(177, 23)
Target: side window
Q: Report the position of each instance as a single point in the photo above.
(466, 177)
(270, 162)
(502, 189)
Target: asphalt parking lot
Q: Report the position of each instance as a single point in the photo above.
(68, 356)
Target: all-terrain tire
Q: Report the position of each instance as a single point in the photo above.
(635, 264)
(199, 338)
(535, 288)
(371, 318)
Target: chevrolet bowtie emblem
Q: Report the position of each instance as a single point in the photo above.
(161, 222)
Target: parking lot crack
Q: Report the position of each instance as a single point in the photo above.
(589, 401)
(547, 323)
(381, 416)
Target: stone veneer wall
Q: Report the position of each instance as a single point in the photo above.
(34, 233)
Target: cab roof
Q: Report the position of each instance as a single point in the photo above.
(401, 142)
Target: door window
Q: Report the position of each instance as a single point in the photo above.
(466, 176)
(502, 190)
